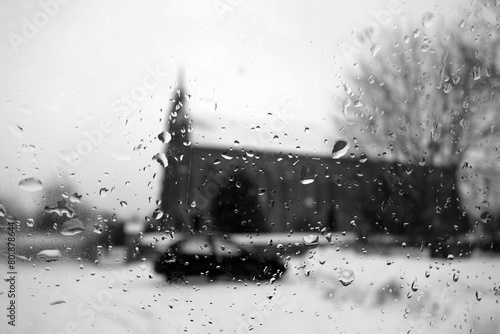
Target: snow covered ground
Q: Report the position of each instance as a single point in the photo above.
(389, 294)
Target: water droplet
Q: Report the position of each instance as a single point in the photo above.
(30, 222)
(103, 192)
(306, 129)
(346, 276)
(31, 184)
(236, 143)
(347, 89)
(307, 174)
(450, 257)
(455, 277)
(428, 19)
(479, 296)
(226, 155)
(262, 191)
(61, 208)
(98, 229)
(339, 149)
(436, 131)
(161, 158)
(72, 227)
(165, 137)
(416, 33)
(406, 39)
(476, 72)
(50, 255)
(3, 211)
(447, 87)
(75, 198)
(123, 204)
(375, 49)
(414, 286)
(485, 216)
(363, 158)
(58, 302)
(311, 240)
(461, 24)
(157, 214)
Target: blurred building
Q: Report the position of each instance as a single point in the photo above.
(238, 190)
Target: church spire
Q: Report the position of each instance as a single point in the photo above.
(178, 153)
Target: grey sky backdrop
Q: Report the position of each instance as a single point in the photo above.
(79, 68)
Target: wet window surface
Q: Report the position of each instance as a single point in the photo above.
(250, 167)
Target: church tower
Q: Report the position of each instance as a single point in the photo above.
(176, 180)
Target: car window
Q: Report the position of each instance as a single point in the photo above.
(227, 248)
(195, 247)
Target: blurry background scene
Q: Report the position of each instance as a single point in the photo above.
(334, 137)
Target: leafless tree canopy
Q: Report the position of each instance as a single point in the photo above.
(429, 99)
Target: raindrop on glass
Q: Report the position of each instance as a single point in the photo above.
(339, 149)
(375, 49)
(311, 240)
(75, 198)
(61, 208)
(476, 72)
(414, 286)
(161, 158)
(307, 174)
(485, 216)
(98, 229)
(31, 184)
(447, 87)
(165, 137)
(346, 276)
(30, 222)
(72, 227)
(49, 255)
(479, 296)
(363, 158)
(157, 214)
(103, 192)
(3, 211)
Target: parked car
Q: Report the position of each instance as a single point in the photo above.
(214, 256)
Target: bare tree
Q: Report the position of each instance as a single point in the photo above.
(426, 102)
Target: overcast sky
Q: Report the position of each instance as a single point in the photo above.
(83, 71)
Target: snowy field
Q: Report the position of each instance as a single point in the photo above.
(389, 294)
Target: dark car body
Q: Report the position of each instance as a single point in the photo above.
(214, 256)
